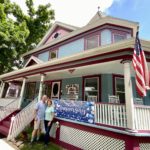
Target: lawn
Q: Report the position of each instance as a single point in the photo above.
(36, 145)
(40, 146)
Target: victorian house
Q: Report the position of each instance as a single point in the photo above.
(88, 74)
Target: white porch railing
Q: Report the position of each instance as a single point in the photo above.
(6, 101)
(110, 114)
(142, 117)
(8, 109)
(21, 120)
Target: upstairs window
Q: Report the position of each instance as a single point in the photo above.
(118, 37)
(92, 42)
(53, 54)
(105, 37)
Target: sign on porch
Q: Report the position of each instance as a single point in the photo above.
(75, 110)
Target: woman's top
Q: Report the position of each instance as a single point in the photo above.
(49, 113)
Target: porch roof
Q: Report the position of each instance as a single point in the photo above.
(115, 51)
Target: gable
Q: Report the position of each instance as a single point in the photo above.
(32, 61)
(57, 33)
(57, 30)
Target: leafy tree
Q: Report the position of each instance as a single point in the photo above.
(20, 32)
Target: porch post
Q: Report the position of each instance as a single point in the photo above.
(128, 95)
(41, 87)
(22, 92)
(2, 89)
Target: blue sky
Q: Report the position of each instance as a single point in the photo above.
(136, 10)
(79, 12)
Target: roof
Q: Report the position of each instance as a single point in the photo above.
(96, 21)
(35, 59)
(124, 44)
(54, 26)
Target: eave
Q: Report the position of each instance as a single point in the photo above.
(123, 49)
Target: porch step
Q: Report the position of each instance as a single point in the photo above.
(5, 123)
(4, 130)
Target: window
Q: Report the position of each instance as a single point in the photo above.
(91, 89)
(120, 89)
(53, 54)
(13, 90)
(30, 90)
(92, 42)
(118, 37)
(105, 37)
(47, 89)
(44, 56)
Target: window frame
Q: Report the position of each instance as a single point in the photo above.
(27, 93)
(115, 86)
(50, 54)
(98, 86)
(119, 34)
(90, 36)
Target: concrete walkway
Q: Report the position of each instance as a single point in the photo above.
(5, 146)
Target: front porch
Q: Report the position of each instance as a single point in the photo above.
(106, 84)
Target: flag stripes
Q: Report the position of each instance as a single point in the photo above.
(141, 68)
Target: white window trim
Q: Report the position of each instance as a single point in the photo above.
(116, 85)
(123, 35)
(95, 90)
(50, 54)
(87, 38)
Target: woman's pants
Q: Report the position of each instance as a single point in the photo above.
(47, 130)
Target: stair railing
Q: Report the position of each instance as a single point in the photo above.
(8, 109)
(21, 120)
(6, 101)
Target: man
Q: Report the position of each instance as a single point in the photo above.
(39, 118)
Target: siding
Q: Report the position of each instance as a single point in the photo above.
(71, 48)
(106, 86)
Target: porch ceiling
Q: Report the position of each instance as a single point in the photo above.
(113, 67)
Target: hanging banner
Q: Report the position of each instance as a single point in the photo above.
(75, 110)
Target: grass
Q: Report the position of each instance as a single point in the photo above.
(40, 146)
(26, 136)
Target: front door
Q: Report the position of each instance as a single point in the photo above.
(56, 88)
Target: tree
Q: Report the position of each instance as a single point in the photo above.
(20, 32)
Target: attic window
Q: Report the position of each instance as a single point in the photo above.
(56, 35)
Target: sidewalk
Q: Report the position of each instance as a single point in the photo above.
(5, 146)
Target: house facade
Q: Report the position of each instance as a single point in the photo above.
(88, 73)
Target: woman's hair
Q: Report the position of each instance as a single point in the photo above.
(49, 100)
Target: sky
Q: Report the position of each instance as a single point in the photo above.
(79, 12)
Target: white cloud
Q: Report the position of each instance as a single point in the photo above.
(75, 12)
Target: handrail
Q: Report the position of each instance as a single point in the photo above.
(8, 109)
(6, 101)
(21, 120)
(11, 102)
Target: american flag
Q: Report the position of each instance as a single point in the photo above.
(141, 68)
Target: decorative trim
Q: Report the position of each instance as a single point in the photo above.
(77, 65)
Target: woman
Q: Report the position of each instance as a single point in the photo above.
(49, 115)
